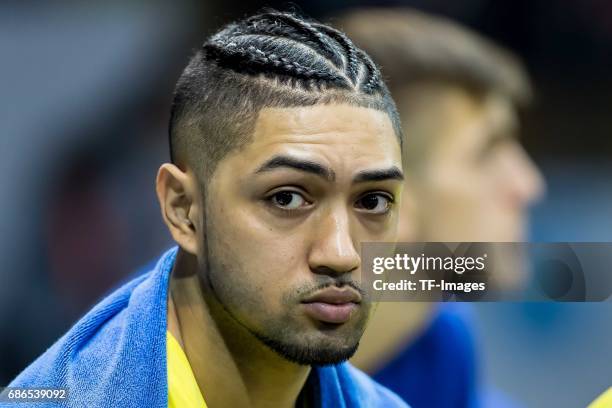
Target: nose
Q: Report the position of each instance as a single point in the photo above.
(526, 181)
(333, 251)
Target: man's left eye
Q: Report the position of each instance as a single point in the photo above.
(375, 203)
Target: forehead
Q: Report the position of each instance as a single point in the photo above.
(456, 105)
(486, 116)
(334, 133)
(455, 117)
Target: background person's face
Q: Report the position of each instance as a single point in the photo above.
(285, 216)
(477, 181)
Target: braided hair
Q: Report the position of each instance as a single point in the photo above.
(272, 59)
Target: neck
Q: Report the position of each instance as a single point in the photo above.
(231, 366)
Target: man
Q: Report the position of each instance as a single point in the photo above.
(286, 154)
(467, 180)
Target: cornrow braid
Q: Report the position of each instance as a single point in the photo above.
(313, 36)
(272, 43)
(273, 28)
(272, 59)
(374, 80)
(352, 63)
(221, 50)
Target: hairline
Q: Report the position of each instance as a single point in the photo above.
(244, 134)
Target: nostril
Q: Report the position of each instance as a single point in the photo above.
(331, 271)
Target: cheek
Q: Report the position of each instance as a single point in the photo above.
(381, 230)
(458, 187)
(453, 207)
(252, 254)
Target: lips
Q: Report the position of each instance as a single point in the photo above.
(332, 305)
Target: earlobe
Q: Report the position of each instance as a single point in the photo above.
(177, 192)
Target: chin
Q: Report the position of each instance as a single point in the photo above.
(319, 348)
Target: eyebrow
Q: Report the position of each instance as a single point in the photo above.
(498, 137)
(298, 164)
(392, 173)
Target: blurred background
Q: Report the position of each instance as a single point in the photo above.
(86, 89)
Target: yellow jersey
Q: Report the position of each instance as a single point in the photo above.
(183, 389)
(604, 400)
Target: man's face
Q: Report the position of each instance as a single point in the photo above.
(284, 218)
(477, 180)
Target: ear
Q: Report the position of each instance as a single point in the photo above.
(177, 192)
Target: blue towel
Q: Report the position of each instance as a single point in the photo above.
(115, 356)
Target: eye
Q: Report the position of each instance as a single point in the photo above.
(375, 203)
(288, 200)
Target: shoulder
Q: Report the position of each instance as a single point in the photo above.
(345, 383)
(455, 321)
(96, 325)
(444, 351)
(375, 394)
(124, 333)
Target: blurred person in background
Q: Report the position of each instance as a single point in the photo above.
(467, 180)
